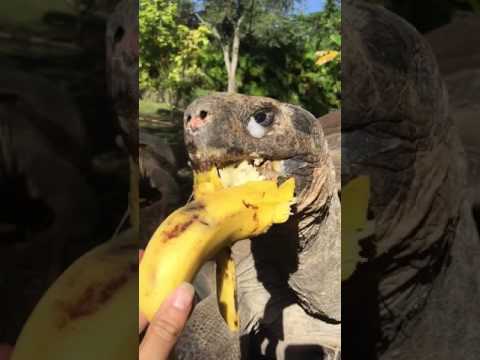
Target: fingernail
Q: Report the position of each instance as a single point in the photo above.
(183, 296)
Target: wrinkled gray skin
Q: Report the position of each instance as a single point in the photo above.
(457, 49)
(395, 128)
(157, 166)
(332, 128)
(122, 51)
(33, 141)
(289, 279)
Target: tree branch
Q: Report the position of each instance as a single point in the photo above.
(234, 57)
(210, 26)
(226, 58)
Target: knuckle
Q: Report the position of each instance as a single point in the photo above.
(165, 329)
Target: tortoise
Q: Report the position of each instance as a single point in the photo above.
(417, 296)
(36, 145)
(422, 272)
(288, 299)
(122, 51)
(458, 56)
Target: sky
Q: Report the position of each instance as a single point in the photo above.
(312, 6)
(308, 6)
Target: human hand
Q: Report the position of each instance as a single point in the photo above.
(5, 351)
(167, 324)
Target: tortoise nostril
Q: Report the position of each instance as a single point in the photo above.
(203, 114)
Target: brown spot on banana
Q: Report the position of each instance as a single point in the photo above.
(194, 205)
(250, 206)
(93, 298)
(178, 229)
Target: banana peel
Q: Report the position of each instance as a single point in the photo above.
(226, 289)
(77, 318)
(195, 233)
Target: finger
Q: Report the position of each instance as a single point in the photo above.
(5, 351)
(142, 322)
(167, 324)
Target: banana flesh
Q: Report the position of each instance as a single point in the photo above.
(77, 318)
(196, 232)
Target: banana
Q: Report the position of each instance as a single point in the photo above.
(196, 232)
(226, 287)
(355, 225)
(78, 317)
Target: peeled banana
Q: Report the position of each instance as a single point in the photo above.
(77, 318)
(196, 232)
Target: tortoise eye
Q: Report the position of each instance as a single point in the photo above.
(264, 118)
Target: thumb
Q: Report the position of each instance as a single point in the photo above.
(5, 351)
(168, 323)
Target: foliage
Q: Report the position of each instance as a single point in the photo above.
(283, 64)
(277, 54)
(151, 108)
(230, 20)
(223, 13)
(169, 50)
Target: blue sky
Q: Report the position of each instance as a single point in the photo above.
(307, 6)
(310, 6)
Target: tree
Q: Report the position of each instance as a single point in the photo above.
(169, 50)
(277, 58)
(281, 62)
(229, 20)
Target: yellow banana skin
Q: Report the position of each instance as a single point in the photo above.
(226, 288)
(355, 225)
(196, 232)
(78, 317)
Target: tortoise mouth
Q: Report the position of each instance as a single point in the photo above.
(242, 172)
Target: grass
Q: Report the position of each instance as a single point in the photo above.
(28, 14)
(162, 120)
(152, 108)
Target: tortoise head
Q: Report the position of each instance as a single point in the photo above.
(395, 129)
(278, 140)
(122, 69)
(394, 117)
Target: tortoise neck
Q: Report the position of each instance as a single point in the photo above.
(315, 210)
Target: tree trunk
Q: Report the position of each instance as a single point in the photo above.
(231, 58)
(232, 81)
(231, 88)
(230, 52)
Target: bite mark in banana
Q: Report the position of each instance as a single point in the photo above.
(196, 232)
